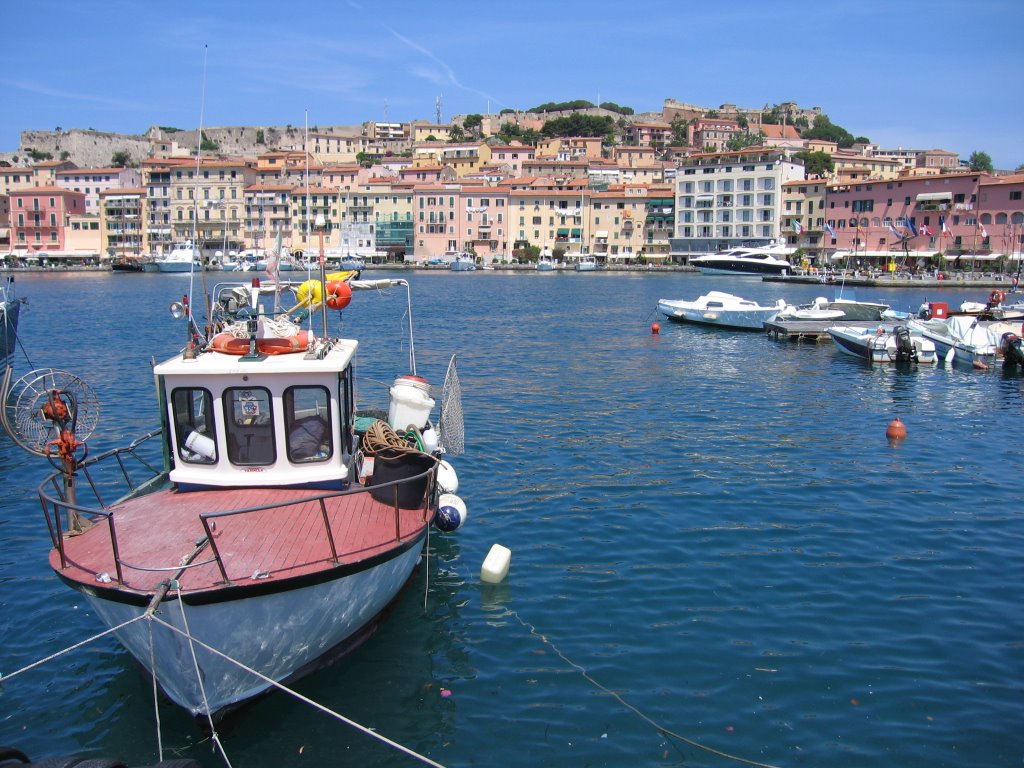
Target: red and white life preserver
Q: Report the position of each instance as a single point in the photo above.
(229, 344)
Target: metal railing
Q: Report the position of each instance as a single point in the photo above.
(114, 475)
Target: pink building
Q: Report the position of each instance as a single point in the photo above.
(92, 181)
(39, 218)
(512, 155)
(1001, 214)
(649, 134)
(870, 218)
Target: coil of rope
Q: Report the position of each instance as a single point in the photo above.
(381, 438)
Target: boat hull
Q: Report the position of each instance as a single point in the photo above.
(734, 268)
(8, 329)
(879, 347)
(281, 634)
(746, 320)
(174, 266)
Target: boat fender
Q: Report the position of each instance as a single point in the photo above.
(200, 444)
(451, 513)
(495, 566)
(996, 298)
(309, 292)
(339, 294)
(447, 479)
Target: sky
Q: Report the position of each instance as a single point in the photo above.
(916, 74)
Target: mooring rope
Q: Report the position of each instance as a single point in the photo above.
(69, 649)
(380, 436)
(214, 736)
(660, 728)
(306, 700)
(156, 693)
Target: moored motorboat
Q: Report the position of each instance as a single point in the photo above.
(815, 310)
(269, 522)
(586, 264)
(460, 261)
(183, 257)
(961, 339)
(892, 344)
(721, 309)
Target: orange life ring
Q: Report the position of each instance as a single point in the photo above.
(996, 297)
(228, 344)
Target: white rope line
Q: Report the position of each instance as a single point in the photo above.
(199, 677)
(304, 699)
(69, 649)
(156, 697)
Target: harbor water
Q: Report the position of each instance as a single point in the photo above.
(717, 557)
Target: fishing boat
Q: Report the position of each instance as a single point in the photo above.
(892, 344)
(460, 261)
(268, 523)
(10, 309)
(183, 257)
(721, 309)
(746, 260)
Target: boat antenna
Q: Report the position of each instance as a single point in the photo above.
(195, 205)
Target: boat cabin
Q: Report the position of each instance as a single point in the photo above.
(280, 420)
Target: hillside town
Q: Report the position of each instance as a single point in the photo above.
(576, 181)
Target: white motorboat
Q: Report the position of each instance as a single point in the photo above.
(545, 264)
(183, 257)
(248, 531)
(721, 309)
(892, 344)
(964, 340)
(746, 260)
(815, 310)
(586, 264)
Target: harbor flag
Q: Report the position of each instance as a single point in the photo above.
(796, 227)
(831, 232)
(925, 229)
(911, 227)
(944, 228)
(892, 228)
(984, 232)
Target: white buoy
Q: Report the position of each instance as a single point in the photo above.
(495, 567)
(451, 513)
(447, 479)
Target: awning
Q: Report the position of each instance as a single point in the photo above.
(601, 233)
(970, 256)
(576, 232)
(563, 231)
(934, 196)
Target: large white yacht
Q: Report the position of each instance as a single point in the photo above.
(746, 260)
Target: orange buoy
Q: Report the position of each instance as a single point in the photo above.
(896, 430)
(655, 329)
(339, 294)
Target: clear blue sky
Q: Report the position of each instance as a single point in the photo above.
(913, 73)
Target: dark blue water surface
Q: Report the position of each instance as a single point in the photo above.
(713, 544)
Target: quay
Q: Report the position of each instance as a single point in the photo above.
(929, 280)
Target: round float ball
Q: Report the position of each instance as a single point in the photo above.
(339, 294)
(655, 329)
(896, 430)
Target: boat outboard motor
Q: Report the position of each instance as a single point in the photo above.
(1010, 346)
(905, 349)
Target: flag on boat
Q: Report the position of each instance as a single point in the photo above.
(910, 227)
(796, 227)
(831, 232)
(272, 264)
(944, 228)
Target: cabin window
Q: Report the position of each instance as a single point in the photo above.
(194, 430)
(307, 421)
(249, 423)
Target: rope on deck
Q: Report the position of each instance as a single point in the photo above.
(306, 700)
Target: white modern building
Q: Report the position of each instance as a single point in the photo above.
(728, 199)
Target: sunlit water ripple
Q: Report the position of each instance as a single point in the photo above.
(710, 525)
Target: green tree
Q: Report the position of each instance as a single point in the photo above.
(579, 124)
(825, 130)
(207, 144)
(680, 135)
(120, 159)
(980, 161)
(743, 139)
(816, 163)
(473, 123)
(260, 137)
(455, 133)
(364, 159)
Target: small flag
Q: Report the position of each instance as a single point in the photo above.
(984, 232)
(944, 228)
(911, 227)
(892, 228)
(831, 232)
(272, 264)
(796, 227)
(925, 229)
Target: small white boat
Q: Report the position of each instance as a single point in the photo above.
(964, 340)
(892, 344)
(586, 264)
(545, 264)
(721, 309)
(816, 310)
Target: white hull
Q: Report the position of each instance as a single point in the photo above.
(720, 309)
(875, 347)
(276, 634)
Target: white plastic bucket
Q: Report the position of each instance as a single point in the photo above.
(411, 403)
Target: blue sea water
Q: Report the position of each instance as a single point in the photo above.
(716, 554)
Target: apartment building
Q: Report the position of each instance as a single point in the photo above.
(513, 156)
(549, 218)
(93, 181)
(486, 222)
(803, 217)
(39, 219)
(208, 202)
(268, 215)
(393, 217)
(123, 221)
(630, 221)
(649, 134)
(1001, 214)
(726, 199)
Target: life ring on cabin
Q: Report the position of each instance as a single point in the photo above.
(309, 292)
(996, 298)
(229, 344)
(339, 294)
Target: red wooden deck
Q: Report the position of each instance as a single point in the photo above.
(290, 539)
